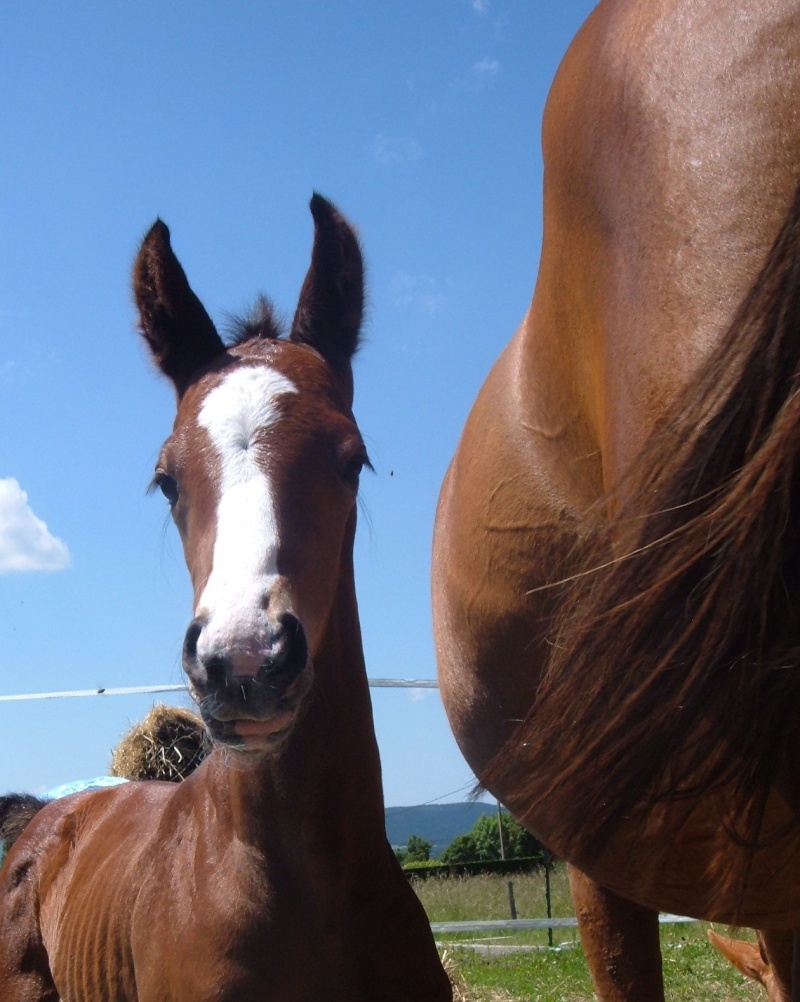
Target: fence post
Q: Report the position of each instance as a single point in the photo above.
(512, 905)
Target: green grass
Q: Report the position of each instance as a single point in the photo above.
(453, 899)
(693, 970)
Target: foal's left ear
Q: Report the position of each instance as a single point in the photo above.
(331, 303)
(180, 334)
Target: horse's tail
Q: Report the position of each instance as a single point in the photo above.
(675, 667)
(16, 810)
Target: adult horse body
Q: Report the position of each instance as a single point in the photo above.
(615, 556)
(266, 874)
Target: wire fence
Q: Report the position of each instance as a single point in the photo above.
(139, 690)
(439, 928)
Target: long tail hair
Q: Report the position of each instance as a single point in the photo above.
(676, 666)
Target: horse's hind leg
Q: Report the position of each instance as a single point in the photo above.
(620, 941)
(778, 947)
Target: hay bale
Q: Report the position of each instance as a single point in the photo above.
(169, 743)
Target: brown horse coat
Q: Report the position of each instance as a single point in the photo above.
(266, 874)
(596, 696)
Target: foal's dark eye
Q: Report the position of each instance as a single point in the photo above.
(167, 485)
(353, 467)
(352, 471)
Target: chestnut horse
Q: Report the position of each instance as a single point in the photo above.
(267, 873)
(616, 578)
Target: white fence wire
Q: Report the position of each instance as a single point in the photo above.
(439, 928)
(138, 690)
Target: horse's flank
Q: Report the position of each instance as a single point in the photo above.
(615, 556)
(679, 645)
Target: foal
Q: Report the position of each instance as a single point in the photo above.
(266, 875)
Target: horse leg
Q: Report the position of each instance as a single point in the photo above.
(620, 941)
(777, 947)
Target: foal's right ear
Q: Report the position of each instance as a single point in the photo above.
(180, 334)
(331, 304)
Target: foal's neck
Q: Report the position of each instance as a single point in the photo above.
(327, 777)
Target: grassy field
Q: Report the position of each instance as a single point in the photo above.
(693, 970)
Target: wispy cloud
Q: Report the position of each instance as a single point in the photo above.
(26, 544)
(393, 151)
(417, 291)
(417, 695)
(486, 68)
(479, 6)
(478, 77)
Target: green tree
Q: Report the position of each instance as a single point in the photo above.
(461, 850)
(418, 849)
(523, 844)
(482, 843)
(486, 835)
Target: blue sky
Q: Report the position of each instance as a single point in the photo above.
(420, 119)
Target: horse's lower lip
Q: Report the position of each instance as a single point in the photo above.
(258, 732)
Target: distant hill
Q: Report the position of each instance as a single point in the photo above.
(438, 823)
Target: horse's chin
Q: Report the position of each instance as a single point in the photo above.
(249, 739)
(244, 732)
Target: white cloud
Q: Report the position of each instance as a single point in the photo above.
(486, 67)
(478, 78)
(479, 6)
(392, 151)
(417, 695)
(26, 544)
(419, 291)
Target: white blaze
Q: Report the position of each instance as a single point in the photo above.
(244, 563)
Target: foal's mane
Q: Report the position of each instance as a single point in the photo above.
(675, 667)
(260, 323)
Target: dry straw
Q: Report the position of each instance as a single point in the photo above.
(169, 743)
(462, 992)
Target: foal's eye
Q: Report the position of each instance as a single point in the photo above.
(353, 468)
(167, 485)
(352, 471)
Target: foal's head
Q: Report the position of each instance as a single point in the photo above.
(261, 472)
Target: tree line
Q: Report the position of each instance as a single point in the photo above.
(481, 844)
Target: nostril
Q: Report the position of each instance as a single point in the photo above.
(293, 649)
(218, 669)
(291, 624)
(193, 632)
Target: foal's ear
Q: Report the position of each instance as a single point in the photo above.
(331, 304)
(173, 321)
